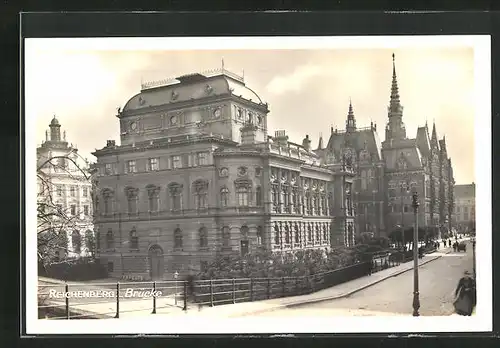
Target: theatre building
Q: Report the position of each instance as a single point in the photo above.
(197, 174)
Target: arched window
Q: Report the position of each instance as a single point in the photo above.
(177, 238)
(203, 237)
(224, 197)
(276, 234)
(226, 237)
(109, 239)
(175, 193)
(296, 233)
(200, 189)
(258, 196)
(76, 241)
(153, 198)
(325, 233)
(318, 235)
(134, 240)
(260, 235)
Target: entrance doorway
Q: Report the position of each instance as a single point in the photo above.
(156, 262)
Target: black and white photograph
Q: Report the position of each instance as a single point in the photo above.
(258, 184)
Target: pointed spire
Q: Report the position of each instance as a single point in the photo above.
(395, 102)
(222, 63)
(434, 138)
(351, 121)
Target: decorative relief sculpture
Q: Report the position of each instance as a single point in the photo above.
(174, 95)
(242, 171)
(224, 172)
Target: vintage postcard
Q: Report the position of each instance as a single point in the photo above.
(214, 185)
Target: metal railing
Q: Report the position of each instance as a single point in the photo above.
(110, 300)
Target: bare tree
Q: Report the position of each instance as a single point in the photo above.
(53, 221)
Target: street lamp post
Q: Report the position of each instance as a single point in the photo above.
(416, 300)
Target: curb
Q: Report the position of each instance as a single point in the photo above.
(336, 297)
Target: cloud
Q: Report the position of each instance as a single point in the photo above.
(293, 82)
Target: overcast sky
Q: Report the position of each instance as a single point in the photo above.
(308, 91)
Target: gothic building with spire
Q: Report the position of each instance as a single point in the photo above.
(64, 195)
(389, 171)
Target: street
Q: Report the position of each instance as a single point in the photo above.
(437, 281)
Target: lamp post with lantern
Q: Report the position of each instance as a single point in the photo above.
(416, 299)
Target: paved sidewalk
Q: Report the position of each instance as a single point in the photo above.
(166, 304)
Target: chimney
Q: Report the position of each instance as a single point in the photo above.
(280, 137)
(248, 134)
(306, 143)
(110, 143)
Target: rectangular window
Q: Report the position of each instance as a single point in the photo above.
(108, 169)
(131, 168)
(59, 190)
(153, 164)
(466, 216)
(85, 192)
(466, 210)
(110, 267)
(176, 162)
(73, 209)
(72, 191)
(132, 205)
(202, 158)
(203, 266)
(153, 203)
(244, 247)
(86, 210)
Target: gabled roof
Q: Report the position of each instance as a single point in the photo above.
(368, 135)
(423, 141)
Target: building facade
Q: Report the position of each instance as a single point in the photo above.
(465, 208)
(388, 172)
(64, 194)
(197, 175)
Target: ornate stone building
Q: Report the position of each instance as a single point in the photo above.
(389, 171)
(465, 210)
(64, 193)
(197, 175)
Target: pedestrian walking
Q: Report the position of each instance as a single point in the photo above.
(465, 295)
(455, 246)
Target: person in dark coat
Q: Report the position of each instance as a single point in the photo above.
(465, 295)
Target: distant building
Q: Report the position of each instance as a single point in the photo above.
(389, 171)
(64, 193)
(465, 208)
(197, 175)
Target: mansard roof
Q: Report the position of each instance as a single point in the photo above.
(191, 87)
(465, 191)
